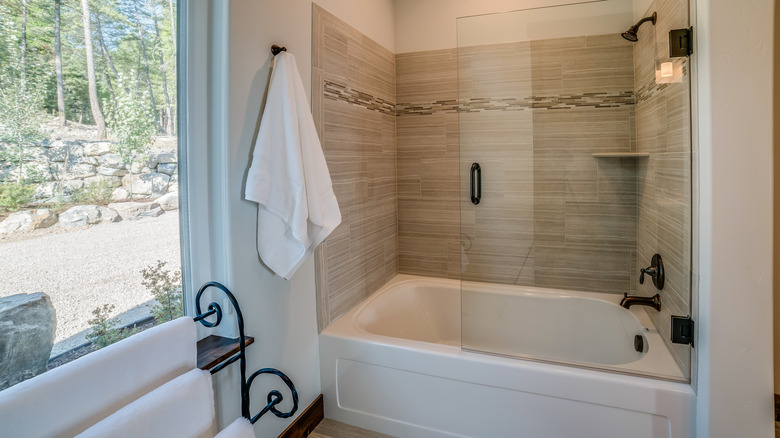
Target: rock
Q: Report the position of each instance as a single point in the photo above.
(43, 218)
(46, 190)
(164, 157)
(120, 194)
(110, 171)
(110, 181)
(108, 215)
(169, 201)
(27, 326)
(154, 184)
(79, 216)
(16, 222)
(137, 210)
(97, 149)
(65, 151)
(167, 168)
(173, 187)
(79, 170)
(70, 186)
(112, 160)
(136, 167)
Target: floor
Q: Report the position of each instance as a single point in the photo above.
(334, 429)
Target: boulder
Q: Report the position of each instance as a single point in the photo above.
(120, 194)
(154, 184)
(110, 171)
(112, 160)
(46, 190)
(169, 201)
(16, 222)
(167, 156)
(70, 186)
(64, 150)
(167, 168)
(173, 187)
(137, 210)
(81, 170)
(97, 148)
(27, 326)
(79, 216)
(108, 215)
(43, 218)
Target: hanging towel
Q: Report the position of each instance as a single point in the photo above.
(73, 397)
(289, 177)
(241, 428)
(181, 408)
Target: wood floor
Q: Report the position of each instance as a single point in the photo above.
(334, 429)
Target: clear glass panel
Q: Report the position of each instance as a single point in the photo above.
(579, 143)
(89, 224)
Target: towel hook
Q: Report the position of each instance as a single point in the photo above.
(277, 49)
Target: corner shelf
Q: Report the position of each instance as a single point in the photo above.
(213, 350)
(621, 155)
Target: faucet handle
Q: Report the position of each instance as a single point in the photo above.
(656, 271)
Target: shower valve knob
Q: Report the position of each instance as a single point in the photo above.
(656, 271)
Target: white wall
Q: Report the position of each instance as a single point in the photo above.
(430, 24)
(735, 314)
(280, 314)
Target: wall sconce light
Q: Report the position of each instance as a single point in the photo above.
(669, 71)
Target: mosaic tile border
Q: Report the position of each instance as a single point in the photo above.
(338, 92)
(584, 100)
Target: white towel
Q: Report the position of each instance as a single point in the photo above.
(73, 397)
(181, 408)
(241, 428)
(289, 176)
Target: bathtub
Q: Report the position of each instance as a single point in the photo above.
(394, 364)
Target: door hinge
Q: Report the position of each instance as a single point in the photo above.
(680, 42)
(682, 330)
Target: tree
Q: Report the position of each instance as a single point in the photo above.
(169, 127)
(97, 115)
(21, 117)
(58, 65)
(146, 62)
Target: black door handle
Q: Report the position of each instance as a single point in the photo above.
(476, 183)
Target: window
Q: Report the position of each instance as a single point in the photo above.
(89, 177)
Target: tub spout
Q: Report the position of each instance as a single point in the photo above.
(654, 301)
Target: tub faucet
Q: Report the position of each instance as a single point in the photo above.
(654, 301)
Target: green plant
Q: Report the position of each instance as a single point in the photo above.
(15, 196)
(105, 330)
(165, 285)
(96, 193)
(21, 116)
(130, 123)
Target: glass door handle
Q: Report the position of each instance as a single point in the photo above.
(476, 183)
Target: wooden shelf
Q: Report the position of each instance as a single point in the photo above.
(212, 350)
(622, 155)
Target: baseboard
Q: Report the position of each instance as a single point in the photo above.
(307, 421)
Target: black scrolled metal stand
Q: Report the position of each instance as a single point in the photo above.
(274, 397)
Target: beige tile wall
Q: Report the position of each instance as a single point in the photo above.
(353, 100)
(664, 180)
(531, 114)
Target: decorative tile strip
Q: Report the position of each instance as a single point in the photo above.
(338, 92)
(584, 100)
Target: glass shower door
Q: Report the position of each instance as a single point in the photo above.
(575, 169)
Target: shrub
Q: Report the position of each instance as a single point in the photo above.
(98, 193)
(15, 196)
(165, 285)
(105, 330)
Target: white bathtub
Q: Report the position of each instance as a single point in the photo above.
(394, 365)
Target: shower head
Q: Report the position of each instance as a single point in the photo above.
(630, 34)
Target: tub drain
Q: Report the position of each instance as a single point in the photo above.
(639, 343)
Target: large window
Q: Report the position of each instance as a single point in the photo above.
(89, 177)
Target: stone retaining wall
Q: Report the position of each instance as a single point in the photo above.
(67, 166)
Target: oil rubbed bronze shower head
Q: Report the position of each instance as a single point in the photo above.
(630, 34)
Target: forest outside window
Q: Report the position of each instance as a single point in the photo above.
(89, 177)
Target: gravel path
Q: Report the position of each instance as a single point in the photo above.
(85, 268)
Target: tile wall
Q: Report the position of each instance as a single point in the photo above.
(664, 180)
(532, 114)
(353, 102)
